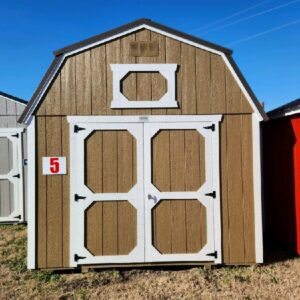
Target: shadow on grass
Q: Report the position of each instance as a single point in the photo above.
(275, 252)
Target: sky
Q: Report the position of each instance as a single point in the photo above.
(264, 35)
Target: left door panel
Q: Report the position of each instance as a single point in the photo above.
(107, 207)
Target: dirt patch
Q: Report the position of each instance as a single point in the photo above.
(278, 280)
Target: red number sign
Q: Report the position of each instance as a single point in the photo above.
(54, 165)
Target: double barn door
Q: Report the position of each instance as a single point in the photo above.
(144, 190)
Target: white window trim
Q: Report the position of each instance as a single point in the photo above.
(10, 176)
(168, 100)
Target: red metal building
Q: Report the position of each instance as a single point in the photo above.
(281, 164)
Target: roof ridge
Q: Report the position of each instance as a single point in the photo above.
(132, 25)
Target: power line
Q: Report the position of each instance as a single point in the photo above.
(264, 32)
(250, 17)
(231, 16)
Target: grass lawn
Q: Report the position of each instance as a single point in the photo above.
(278, 279)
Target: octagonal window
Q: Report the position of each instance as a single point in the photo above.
(139, 86)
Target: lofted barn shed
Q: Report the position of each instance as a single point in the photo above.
(281, 161)
(147, 153)
(13, 152)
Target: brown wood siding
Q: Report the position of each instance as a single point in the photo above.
(237, 204)
(236, 198)
(204, 86)
(53, 195)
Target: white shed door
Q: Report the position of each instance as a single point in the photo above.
(144, 192)
(11, 175)
(179, 192)
(107, 208)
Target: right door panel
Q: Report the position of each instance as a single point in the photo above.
(179, 192)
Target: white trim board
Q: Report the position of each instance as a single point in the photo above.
(144, 118)
(31, 242)
(256, 142)
(144, 26)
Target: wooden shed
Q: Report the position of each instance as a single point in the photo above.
(13, 152)
(281, 136)
(147, 153)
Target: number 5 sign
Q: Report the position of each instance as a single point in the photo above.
(54, 165)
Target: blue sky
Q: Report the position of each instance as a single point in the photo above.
(31, 30)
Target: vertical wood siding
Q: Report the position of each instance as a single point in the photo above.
(204, 86)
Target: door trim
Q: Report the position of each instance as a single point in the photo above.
(144, 119)
(77, 186)
(211, 119)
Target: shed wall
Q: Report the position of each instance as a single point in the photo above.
(204, 86)
(281, 181)
(10, 112)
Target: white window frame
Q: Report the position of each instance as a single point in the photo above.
(14, 135)
(168, 100)
(91, 123)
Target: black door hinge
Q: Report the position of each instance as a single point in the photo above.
(212, 194)
(77, 257)
(214, 254)
(211, 127)
(18, 217)
(17, 176)
(16, 135)
(77, 128)
(77, 197)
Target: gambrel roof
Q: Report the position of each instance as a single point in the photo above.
(62, 54)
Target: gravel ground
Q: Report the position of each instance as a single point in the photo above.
(279, 278)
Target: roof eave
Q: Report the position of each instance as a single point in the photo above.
(11, 97)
